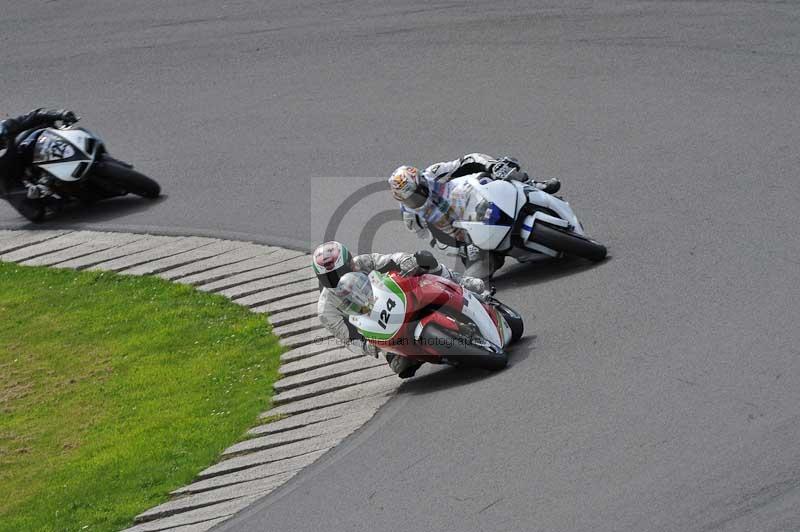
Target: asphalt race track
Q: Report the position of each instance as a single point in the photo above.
(659, 390)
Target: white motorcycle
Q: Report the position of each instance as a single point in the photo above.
(518, 220)
(74, 164)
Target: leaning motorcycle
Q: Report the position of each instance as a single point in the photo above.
(431, 319)
(74, 164)
(516, 219)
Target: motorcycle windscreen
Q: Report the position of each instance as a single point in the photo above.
(387, 315)
(59, 157)
(51, 148)
(485, 217)
(502, 195)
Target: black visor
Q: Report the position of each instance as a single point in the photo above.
(331, 279)
(418, 197)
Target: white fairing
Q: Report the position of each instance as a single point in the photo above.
(485, 236)
(61, 152)
(476, 311)
(387, 314)
(510, 197)
(559, 206)
(502, 196)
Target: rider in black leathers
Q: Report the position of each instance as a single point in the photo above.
(28, 198)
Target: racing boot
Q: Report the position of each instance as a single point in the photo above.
(551, 186)
(404, 367)
(39, 191)
(473, 284)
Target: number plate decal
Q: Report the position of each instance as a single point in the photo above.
(388, 310)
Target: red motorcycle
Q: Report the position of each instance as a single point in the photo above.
(430, 319)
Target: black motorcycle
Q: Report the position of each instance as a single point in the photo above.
(73, 164)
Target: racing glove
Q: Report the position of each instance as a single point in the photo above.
(67, 117)
(508, 168)
(408, 265)
(426, 261)
(412, 223)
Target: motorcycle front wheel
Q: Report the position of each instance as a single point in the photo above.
(568, 242)
(460, 351)
(513, 319)
(123, 176)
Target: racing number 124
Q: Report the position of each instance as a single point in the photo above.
(390, 304)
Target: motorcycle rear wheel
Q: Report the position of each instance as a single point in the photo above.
(568, 242)
(125, 177)
(460, 351)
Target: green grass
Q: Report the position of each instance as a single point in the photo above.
(115, 390)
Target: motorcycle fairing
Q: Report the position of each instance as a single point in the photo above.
(493, 327)
(557, 206)
(61, 152)
(387, 315)
(489, 222)
(396, 297)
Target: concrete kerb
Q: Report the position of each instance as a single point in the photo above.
(325, 395)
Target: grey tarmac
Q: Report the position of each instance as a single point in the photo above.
(653, 378)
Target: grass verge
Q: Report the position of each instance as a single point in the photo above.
(115, 390)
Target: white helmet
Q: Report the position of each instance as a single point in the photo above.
(355, 293)
(330, 261)
(409, 187)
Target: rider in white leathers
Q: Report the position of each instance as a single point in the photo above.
(436, 198)
(332, 260)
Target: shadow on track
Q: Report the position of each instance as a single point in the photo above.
(445, 377)
(528, 274)
(102, 211)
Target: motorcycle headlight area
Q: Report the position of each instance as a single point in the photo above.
(487, 212)
(51, 148)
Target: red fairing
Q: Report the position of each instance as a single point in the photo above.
(425, 294)
(429, 290)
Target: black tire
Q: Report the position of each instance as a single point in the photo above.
(514, 320)
(36, 217)
(567, 242)
(126, 178)
(459, 351)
